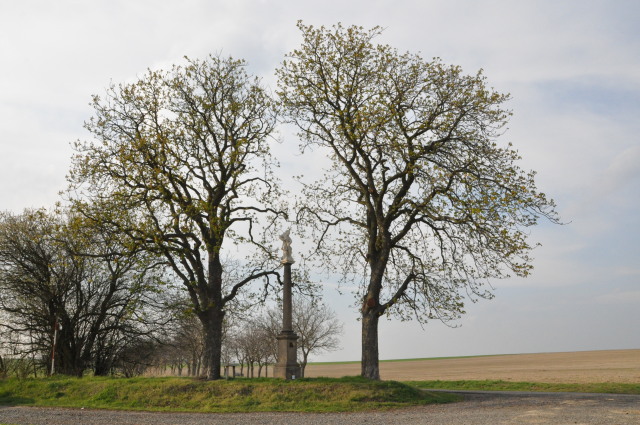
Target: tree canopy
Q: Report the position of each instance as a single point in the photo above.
(421, 205)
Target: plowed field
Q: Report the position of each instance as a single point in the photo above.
(576, 367)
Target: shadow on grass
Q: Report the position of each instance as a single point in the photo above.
(7, 399)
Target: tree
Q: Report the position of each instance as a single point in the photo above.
(315, 324)
(185, 346)
(136, 356)
(4, 367)
(14, 360)
(58, 277)
(181, 164)
(4, 370)
(420, 204)
(253, 345)
(189, 339)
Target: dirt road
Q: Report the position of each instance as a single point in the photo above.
(477, 409)
(577, 367)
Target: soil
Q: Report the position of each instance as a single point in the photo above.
(574, 367)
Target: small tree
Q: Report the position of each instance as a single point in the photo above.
(421, 205)
(186, 344)
(253, 347)
(318, 328)
(181, 164)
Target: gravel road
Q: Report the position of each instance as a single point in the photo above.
(478, 408)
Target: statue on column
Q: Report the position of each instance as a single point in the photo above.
(286, 248)
(287, 365)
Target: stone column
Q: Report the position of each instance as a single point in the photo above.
(287, 365)
(287, 308)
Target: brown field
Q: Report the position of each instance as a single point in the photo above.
(576, 367)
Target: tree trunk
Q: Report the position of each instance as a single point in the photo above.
(303, 363)
(212, 324)
(67, 358)
(102, 367)
(370, 367)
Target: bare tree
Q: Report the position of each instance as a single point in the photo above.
(14, 359)
(254, 347)
(318, 328)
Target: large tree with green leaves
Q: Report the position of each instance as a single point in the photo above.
(180, 163)
(420, 204)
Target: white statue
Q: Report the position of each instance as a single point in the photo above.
(286, 248)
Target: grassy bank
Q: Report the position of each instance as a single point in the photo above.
(607, 388)
(239, 395)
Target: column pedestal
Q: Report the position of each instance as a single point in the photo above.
(287, 366)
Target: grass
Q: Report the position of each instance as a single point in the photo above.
(239, 395)
(605, 388)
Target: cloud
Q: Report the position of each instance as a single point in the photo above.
(620, 297)
(622, 171)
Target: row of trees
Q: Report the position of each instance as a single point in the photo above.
(120, 327)
(251, 341)
(59, 276)
(73, 300)
(420, 207)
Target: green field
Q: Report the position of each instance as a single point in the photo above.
(238, 395)
(605, 388)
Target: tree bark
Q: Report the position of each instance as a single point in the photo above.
(303, 363)
(370, 367)
(371, 309)
(212, 325)
(102, 366)
(3, 369)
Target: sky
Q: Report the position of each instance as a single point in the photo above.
(572, 68)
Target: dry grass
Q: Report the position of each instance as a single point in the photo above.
(621, 366)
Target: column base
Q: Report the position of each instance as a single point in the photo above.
(287, 366)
